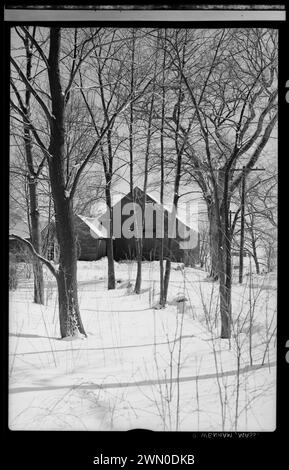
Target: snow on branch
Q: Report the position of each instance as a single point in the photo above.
(37, 255)
(30, 87)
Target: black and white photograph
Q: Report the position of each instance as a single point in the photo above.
(143, 224)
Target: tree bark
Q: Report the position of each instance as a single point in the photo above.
(131, 116)
(161, 255)
(179, 154)
(167, 274)
(169, 246)
(225, 292)
(242, 232)
(139, 241)
(255, 256)
(225, 265)
(137, 286)
(108, 171)
(110, 256)
(250, 227)
(214, 241)
(69, 315)
(34, 226)
(36, 242)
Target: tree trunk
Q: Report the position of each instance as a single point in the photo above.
(269, 258)
(36, 242)
(255, 256)
(220, 248)
(139, 241)
(131, 118)
(173, 214)
(225, 295)
(225, 264)
(137, 286)
(108, 171)
(167, 274)
(69, 315)
(225, 307)
(170, 234)
(179, 154)
(35, 232)
(214, 241)
(257, 266)
(162, 290)
(110, 261)
(242, 233)
(110, 256)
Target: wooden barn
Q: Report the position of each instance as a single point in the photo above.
(91, 234)
(91, 240)
(17, 252)
(125, 248)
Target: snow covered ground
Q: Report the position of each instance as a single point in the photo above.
(142, 367)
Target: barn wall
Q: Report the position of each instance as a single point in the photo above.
(89, 248)
(48, 236)
(18, 252)
(125, 248)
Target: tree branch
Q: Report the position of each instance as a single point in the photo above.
(34, 132)
(262, 116)
(30, 87)
(37, 255)
(256, 153)
(101, 136)
(75, 67)
(35, 43)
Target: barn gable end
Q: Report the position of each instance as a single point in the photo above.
(125, 248)
(89, 248)
(91, 236)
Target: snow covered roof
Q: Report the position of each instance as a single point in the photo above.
(19, 228)
(100, 207)
(116, 198)
(181, 215)
(99, 231)
(96, 228)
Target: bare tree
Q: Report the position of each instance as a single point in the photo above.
(149, 134)
(236, 108)
(33, 165)
(109, 61)
(162, 166)
(204, 245)
(61, 70)
(261, 218)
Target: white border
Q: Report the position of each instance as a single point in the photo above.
(143, 15)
